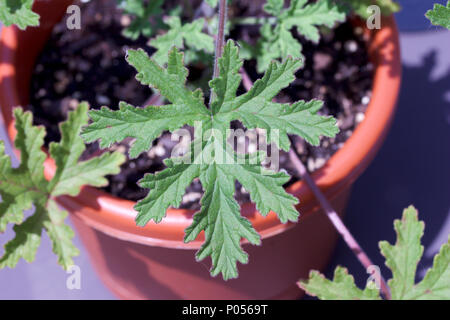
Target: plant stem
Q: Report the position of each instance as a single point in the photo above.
(325, 204)
(335, 219)
(155, 100)
(220, 40)
(246, 81)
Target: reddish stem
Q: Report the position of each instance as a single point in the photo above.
(220, 40)
(155, 100)
(246, 81)
(335, 219)
(325, 204)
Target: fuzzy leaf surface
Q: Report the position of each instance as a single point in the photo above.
(146, 17)
(166, 189)
(25, 188)
(181, 35)
(224, 226)
(18, 12)
(277, 41)
(60, 234)
(21, 187)
(209, 157)
(147, 124)
(440, 15)
(342, 287)
(436, 283)
(403, 257)
(71, 174)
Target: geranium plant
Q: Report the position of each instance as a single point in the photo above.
(440, 15)
(209, 157)
(25, 188)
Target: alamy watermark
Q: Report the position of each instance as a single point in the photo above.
(73, 282)
(73, 21)
(374, 280)
(374, 20)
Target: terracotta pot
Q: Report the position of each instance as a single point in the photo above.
(153, 262)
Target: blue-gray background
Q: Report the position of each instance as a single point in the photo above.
(413, 167)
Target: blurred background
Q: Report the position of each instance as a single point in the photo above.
(413, 167)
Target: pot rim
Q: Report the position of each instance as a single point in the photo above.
(115, 216)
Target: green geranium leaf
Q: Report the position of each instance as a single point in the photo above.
(166, 189)
(274, 7)
(21, 187)
(179, 35)
(436, 284)
(60, 234)
(146, 17)
(71, 175)
(25, 187)
(342, 287)
(213, 3)
(440, 15)
(210, 158)
(27, 240)
(360, 7)
(277, 41)
(307, 17)
(18, 12)
(221, 219)
(403, 257)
